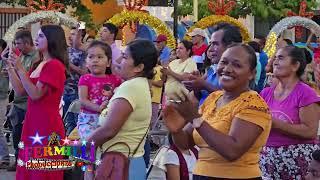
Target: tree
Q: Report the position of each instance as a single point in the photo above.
(262, 9)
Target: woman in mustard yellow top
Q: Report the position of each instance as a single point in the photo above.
(231, 126)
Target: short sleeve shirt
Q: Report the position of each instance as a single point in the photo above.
(137, 92)
(288, 110)
(76, 57)
(250, 107)
(173, 85)
(97, 92)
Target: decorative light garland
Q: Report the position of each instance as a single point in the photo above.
(284, 24)
(215, 19)
(125, 17)
(52, 16)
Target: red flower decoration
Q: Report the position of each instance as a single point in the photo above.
(302, 13)
(220, 7)
(135, 4)
(44, 6)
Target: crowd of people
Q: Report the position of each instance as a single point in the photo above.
(231, 111)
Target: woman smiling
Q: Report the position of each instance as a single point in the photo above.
(233, 124)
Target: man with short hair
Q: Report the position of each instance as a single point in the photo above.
(163, 49)
(24, 44)
(223, 35)
(199, 46)
(108, 34)
(77, 68)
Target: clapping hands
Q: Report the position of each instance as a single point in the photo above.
(179, 112)
(195, 82)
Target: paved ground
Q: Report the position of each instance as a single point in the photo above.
(4, 174)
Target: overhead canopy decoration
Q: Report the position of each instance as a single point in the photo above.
(134, 14)
(220, 9)
(41, 12)
(299, 21)
(284, 24)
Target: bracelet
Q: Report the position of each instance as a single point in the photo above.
(196, 123)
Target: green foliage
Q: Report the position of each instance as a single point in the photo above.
(262, 9)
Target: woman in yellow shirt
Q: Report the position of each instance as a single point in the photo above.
(231, 126)
(127, 116)
(178, 70)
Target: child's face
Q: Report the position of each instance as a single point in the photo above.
(313, 171)
(97, 61)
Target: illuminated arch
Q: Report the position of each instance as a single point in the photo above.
(284, 24)
(125, 17)
(216, 19)
(52, 16)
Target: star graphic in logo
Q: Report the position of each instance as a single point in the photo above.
(75, 142)
(84, 143)
(37, 138)
(66, 141)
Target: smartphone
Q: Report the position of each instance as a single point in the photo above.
(17, 51)
(82, 25)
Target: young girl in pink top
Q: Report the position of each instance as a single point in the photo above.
(96, 88)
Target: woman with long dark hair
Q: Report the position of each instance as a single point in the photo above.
(44, 87)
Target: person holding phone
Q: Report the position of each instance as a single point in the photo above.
(22, 46)
(43, 84)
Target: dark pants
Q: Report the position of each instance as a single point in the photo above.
(147, 152)
(71, 119)
(197, 177)
(16, 118)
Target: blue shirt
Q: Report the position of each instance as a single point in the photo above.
(213, 79)
(263, 61)
(165, 55)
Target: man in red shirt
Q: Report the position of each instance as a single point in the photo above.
(199, 46)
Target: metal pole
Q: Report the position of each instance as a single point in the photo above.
(195, 10)
(175, 19)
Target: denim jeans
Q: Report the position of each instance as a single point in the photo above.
(4, 151)
(147, 152)
(137, 169)
(71, 118)
(16, 118)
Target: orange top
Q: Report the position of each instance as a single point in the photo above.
(249, 106)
